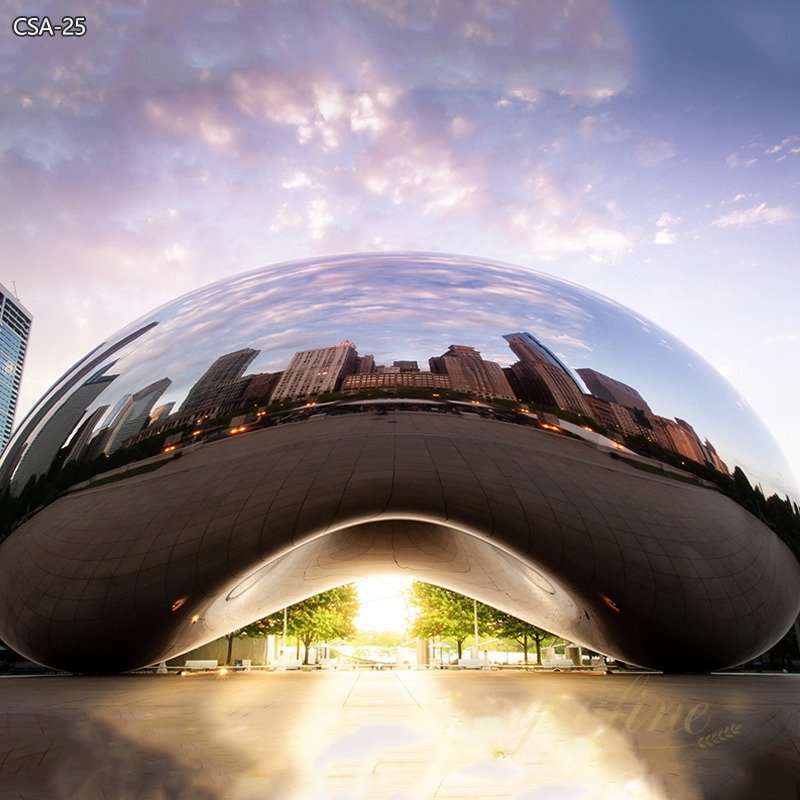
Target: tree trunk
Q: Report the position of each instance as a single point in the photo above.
(538, 640)
(459, 642)
(297, 650)
(229, 637)
(525, 646)
(306, 645)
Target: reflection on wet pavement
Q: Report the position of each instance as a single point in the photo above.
(401, 735)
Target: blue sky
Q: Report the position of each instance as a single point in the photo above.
(648, 151)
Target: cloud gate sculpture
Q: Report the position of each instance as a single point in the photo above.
(490, 429)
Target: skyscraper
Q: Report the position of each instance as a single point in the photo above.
(312, 372)
(217, 378)
(134, 414)
(468, 372)
(612, 390)
(37, 459)
(15, 325)
(543, 377)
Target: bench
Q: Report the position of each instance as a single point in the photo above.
(201, 664)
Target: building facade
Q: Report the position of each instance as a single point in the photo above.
(607, 388)
(543, 377)
(134, 414)
(468, 372)
(217, 379)
(395, 380)
(15, 326)
(312, 372)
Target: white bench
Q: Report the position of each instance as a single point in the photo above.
(201, 664)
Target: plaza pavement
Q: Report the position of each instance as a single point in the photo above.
(395, 735)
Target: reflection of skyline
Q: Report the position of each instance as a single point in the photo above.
(424, 302)
(538, 377)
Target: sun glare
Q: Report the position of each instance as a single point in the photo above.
(384, 606)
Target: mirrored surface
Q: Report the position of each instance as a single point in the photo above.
(194, 471)
(228, 345)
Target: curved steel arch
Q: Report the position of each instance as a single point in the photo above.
(647, 568)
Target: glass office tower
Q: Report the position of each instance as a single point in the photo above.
(15, 325)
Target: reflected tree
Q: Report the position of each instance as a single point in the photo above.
(445, 614)
(322, 618)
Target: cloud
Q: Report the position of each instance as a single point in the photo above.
(667, 219)
(297, 180)
(735, 160)
(654, 151)
(776, 148)
(167, 149)
(759, 215)
(602, 128)
(785, 338)
(663, 234)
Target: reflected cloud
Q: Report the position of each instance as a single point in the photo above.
(413, 307)
(371, 410)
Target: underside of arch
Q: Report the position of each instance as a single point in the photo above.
(652, 570)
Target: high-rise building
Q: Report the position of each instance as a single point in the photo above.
(39, 456)
(395, 380)
(613, 416)
(312, 372)
(134, 414)
(15, 325)
(217, 378)
(612, 390)
(31, 426)
(468, 372)
(260, 387)
(160, 413)
(79, 445)
(543, 377)
(687, 442)
(714, 458)
(407, 366)
(365, 364)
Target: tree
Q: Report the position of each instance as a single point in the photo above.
(323, 617)
(505, 626)
(446, 614)
(241, 633)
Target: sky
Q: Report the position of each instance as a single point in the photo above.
(647, 151)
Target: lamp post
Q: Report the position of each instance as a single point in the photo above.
(283, 635)
(475, 628)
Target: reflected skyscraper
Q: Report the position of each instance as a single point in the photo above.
(15, 325)
(37, 458)
(543, 377)
(224, 371)
(612, 390)
(609, 541)
(134, 414)
(313, 372)
(160, 413)
(468, 372)
(365, 364)
(29, 429)
(79, 445)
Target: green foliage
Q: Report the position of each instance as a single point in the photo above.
(505, 626)
(322, 618)
(445, 614)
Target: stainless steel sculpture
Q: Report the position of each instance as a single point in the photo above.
(484, 427)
